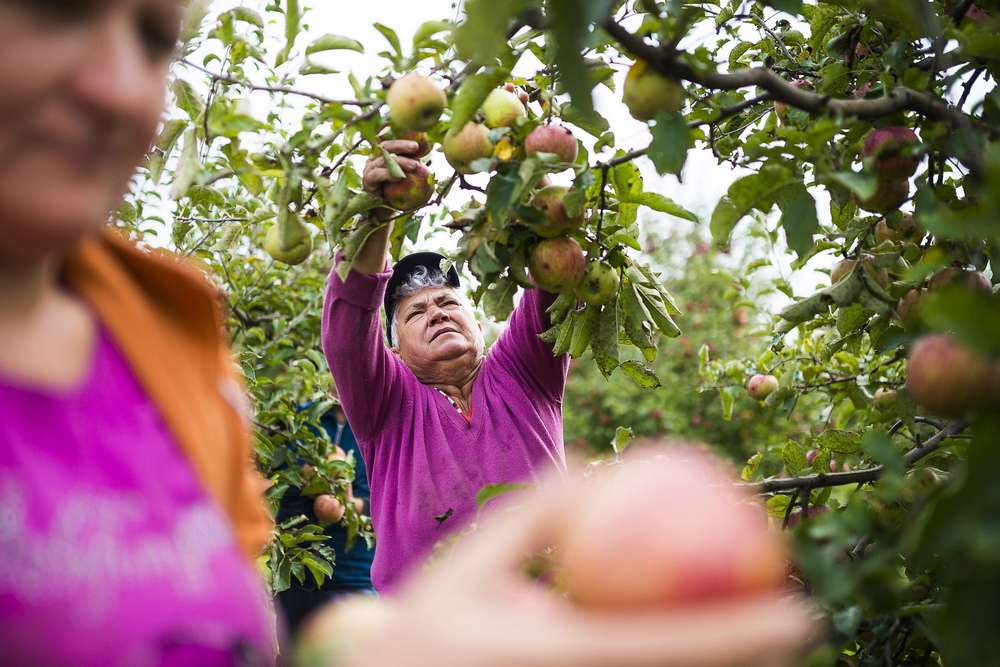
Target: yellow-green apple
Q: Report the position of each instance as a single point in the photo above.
(415, 102)
(555, 139)
(885, 399)
(327, 508)
(647, 92)
(291, 245)
(890, 149)
(414, 190)
(949, 379)
(598, 285)
(761, 386)
(557, 222)
(888, 196)
(464, 147)
(844, 266)
(557, 265)
(669, 532)
(974, 281)
(501, 108)
(905, 230)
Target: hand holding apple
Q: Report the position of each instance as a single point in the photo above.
(479, 608)
(376, 175)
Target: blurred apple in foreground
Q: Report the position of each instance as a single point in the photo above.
(670, 531)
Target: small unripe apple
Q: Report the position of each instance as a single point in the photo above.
(463, 148)
(780, 108)
(555, 139)
(666, 534)
(761, 386)
(557, 222)
(973, 281)
(888, 196)
(416, 189)
(885, 399)
(599, 284)
(906, 230)
(328, 509)
(889, 147)
(501, 108)
(947, 378)
(844, 266)
(294, 254)
(647, 92)
(557, 265)
(415, 102)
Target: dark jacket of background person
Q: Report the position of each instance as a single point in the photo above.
(352, 569)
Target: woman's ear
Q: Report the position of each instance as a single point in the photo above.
(395, 350)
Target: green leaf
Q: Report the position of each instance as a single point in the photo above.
(293, 21)
(755, 191)
(429, 28)
(491, 491)
(862, 184)
(792, 7)
(188, 166)
(246, 15)
(842, 442)
(483, 34)
(604, 344)
(794, 458)
(661, 203)
(330, 42)
(390, 36)
(188, 100)
(585, 325)
(798, 218)
(643, 375)
(592, 123)
(498, 301)
(623, 438)
(671, 140)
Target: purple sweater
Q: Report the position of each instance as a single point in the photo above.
(424, 459)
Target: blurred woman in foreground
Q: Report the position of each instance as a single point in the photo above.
(128, 509)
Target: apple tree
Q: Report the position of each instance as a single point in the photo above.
(865, 141)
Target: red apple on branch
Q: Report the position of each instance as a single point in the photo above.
(890, 148)
(555, 139)
(761, 386)
(557, 265)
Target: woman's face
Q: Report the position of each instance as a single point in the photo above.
(81, 92)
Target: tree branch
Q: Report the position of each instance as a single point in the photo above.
(900, 99)
(276, 89)
(822, 480)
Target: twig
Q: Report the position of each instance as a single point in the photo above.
(277, 89)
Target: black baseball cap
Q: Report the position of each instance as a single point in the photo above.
(402, 270)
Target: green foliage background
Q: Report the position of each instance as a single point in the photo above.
(906, 567)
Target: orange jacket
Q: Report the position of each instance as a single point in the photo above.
(164, 319)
